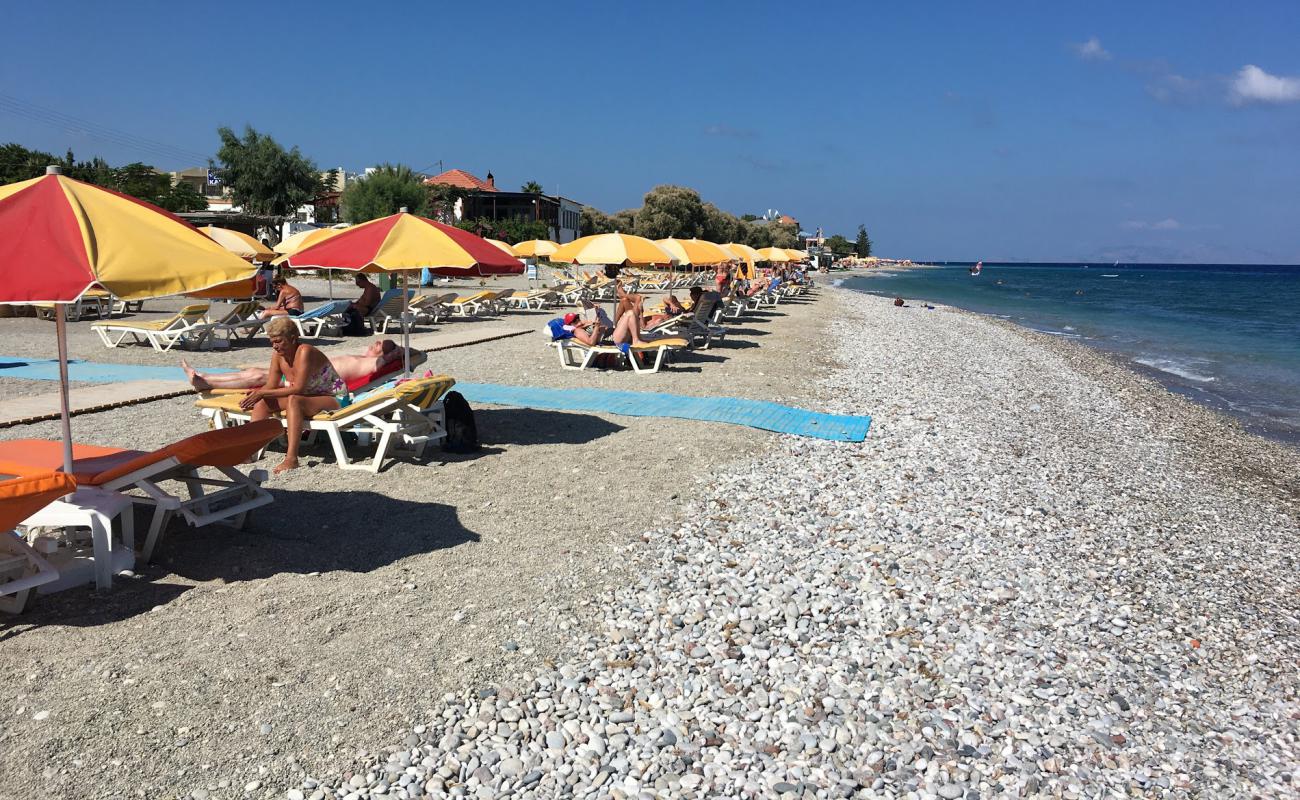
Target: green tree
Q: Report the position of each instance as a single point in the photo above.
(756, 234)
(719, 226)
(442, 199)
(671, 211)
(748, 217)
(506, 230)
(863, 245)
(385, 191)
(624, 221)
(182, 197)
(839, 245)
(532, 187)
(262, 176)
(594, 221)
(783, 235)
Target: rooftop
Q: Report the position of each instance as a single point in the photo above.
(463, 180)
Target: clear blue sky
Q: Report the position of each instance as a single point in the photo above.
(1016, 130)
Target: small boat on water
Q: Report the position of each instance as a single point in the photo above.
(1110, 276)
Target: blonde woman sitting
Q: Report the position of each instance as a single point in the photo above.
(301, 382)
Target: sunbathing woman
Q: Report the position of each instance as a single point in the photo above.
(301, 382)
(379, 354)
(288, 301)
(672, 308)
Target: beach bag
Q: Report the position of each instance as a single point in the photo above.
(462, 432)
(353, 323)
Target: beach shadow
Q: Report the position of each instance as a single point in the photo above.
(745, 332)
(300, 533)
(734, 344)
(536, 426)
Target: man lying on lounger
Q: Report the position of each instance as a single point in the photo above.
(379, 354)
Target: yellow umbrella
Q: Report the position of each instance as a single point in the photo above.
(795, 255)
(696, 252)
(612, 248)
(59, 237)
(535, 248)
(241, 244)
(306, 238)
(776, 255)
(746, 254)
(505, 248)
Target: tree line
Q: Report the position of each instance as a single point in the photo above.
(265, 178)
(18, 163)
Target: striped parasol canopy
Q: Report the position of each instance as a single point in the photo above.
(241, 244)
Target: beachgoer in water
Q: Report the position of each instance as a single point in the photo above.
(898, 301)
(379, 354)
(288, 301)
(300, 381)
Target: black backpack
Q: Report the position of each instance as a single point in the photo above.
(353, 323)
(462, 432)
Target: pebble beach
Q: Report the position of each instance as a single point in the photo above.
(1040, 575)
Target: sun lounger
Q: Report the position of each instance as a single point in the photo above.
(188, 327)
(431, 307)
(536, 298)
(22, 568)
(154, 479)
(321, 319)
(697, 326)
(241, 320)
(389, 310)
(402, 417)
(92, 301)
(646, 358)
(472, 305)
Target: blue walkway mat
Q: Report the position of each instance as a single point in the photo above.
(89, 371)
(733, 410)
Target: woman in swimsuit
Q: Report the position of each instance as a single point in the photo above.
(288, 301)
(379, 354)
(301, 382)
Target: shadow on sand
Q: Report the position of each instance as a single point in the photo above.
(300, 533)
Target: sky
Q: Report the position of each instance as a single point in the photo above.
(954, 131)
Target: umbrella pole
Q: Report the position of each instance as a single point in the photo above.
(65, 414)
(406, 331)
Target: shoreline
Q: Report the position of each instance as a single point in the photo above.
(1289, 438)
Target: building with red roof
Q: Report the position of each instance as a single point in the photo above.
(483, 200)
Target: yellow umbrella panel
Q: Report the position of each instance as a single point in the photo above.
(241, 244)
(776, 255)
(502, 246)
(613, 248)
(696, 252)
(535, 248)
(748, 256)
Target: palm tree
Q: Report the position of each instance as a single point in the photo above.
(532, 187)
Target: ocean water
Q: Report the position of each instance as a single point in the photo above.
(1225, 336)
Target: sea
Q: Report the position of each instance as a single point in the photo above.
(1227, 336)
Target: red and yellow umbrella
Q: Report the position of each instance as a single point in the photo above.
(404, 242)
(59, 237)
(241, 244)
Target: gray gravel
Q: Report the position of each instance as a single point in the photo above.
(1040, 575)
(350, 605)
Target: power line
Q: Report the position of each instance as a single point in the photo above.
(58, 119)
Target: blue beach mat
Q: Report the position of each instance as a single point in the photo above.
(35, 369)
(733, 410)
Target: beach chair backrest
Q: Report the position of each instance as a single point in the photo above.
(420, 393)
(194, 313)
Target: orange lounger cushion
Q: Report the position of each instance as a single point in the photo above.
(23, 496)
(94, 466)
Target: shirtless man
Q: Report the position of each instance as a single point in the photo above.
(365, 304)
(380, 353)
